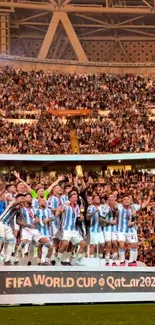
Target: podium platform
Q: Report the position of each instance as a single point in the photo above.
(89, 262)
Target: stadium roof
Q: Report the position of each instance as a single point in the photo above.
(80, 19)
(113, 6)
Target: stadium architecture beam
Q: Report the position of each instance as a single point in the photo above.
(32, 23)
(77, 8)
(89, 38)
(49, 36)
(32, 17)
(53, 2)
(56, 18)
(73, 37)
(121, 19)
(96, 23)
(66, 2)
(146, 2)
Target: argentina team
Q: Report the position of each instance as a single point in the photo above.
(59, 227)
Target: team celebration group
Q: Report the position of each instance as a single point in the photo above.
(72, 218)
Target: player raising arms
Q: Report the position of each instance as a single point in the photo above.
(127, 230)
(40, 192)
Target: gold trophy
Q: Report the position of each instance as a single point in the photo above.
(79, 171)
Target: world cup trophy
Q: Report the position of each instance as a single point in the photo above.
(79, 171)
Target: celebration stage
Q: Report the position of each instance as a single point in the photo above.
(73, 284)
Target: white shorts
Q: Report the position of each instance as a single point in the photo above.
(15, 226)
(31, 235)
(59, 235)
(72, 236)
(110, 236)
(55, 232)
(2, 231)
(96, 238)
(49, 238)
(6, 232)
(128, 238)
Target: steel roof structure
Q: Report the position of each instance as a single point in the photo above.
(77, 20)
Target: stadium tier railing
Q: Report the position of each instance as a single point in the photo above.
(73, 62)
(79, 157)
(70, 66)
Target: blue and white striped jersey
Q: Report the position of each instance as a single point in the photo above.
(8, 215)
(7, 202)
(28, 215)
(95, 224)
(69, 217)
(64, 198)
(136, 206)
(42, 214)
(35, 204)
(82, 229)
(54, 202)
(109, 216)
(125, 216)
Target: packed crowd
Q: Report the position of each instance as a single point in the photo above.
(97, 202)
(132, 134)
(125, 128)
(18, 114)
(43, 137)
(95, 135)
(31, 90)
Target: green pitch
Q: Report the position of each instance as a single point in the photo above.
(79, 315)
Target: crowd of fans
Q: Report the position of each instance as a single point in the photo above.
(31, 95)
(121, 183)
(95, 135)
(45, 137)
(31, 90)
(132, 134)
(18, 114)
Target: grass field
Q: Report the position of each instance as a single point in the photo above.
(79, 315)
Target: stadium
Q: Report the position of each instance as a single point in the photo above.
(77, 162)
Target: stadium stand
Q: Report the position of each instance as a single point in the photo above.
(126, 102)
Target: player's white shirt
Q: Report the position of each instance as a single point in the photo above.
(28, 215)
(35, 204)
(136, 206)
(10, 195)
(69, 217)
(8, 215)
(54, 202)
(109, 216)
(96, 233)
(42, 214)
(7, 219)
(27, 233)
(125, 216)
(13, 223)
(68, 224)
(95, 223)
(64, 198)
